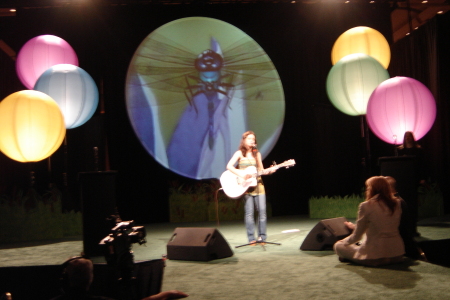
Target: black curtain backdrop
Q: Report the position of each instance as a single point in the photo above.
(326, 144)
(424, 56)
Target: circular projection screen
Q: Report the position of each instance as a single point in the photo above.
(193, 87)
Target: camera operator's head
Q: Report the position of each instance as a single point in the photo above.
(78, 274)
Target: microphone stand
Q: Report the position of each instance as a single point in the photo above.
(259, 240)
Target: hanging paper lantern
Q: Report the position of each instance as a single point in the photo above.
(31, 126)
(352, 80)
(365, 40)
(41, 53)
(398, 105)
(74, 91)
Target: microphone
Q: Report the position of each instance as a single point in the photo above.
(254, 147)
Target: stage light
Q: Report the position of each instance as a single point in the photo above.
(352, 80)
(398, 105)
(31, 126)
(73, 89)
(365, 40)
(41, 53)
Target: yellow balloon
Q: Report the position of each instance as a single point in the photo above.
(31, 126)
(364, 40)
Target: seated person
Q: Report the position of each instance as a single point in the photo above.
(79, 273)
(378, 218)
(406, 228)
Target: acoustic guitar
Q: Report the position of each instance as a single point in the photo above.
(235, 186)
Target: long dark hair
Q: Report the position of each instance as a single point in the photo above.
(242, 144)
(379, 185)
(415, 144)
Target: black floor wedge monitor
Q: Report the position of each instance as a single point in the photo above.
(325, 234)
(200, 244)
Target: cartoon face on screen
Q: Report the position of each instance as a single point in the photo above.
(193, 87)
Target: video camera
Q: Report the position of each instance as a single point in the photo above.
(117, 246)
(136, 235)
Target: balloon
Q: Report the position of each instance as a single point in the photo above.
(41, 53)
(31, 126)
(73, 89)
(398, 105)
(364, 40)
(352, 80)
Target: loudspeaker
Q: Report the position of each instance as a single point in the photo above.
(98, 200)
(201, 244)
(325, 234)
(405, 171)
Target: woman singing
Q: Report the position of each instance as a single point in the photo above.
(248, 155)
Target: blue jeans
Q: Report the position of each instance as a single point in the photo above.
(258, 201)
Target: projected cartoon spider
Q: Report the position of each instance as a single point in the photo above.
(212, 93)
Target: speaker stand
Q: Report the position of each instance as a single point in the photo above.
(258, 242)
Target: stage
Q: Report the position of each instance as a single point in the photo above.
(252, 272)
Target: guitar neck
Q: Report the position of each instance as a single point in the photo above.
(286, 164)
(265, 171)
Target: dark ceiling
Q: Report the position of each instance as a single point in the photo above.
(406, 15)
(409, 15)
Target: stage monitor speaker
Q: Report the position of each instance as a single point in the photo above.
(325, 234)
(200, 244)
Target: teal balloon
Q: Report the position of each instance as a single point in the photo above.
(73, 89)
(352, 80)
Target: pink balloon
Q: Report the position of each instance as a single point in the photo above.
(398, 105)
(41, 53)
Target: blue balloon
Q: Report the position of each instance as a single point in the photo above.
(73, 89)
